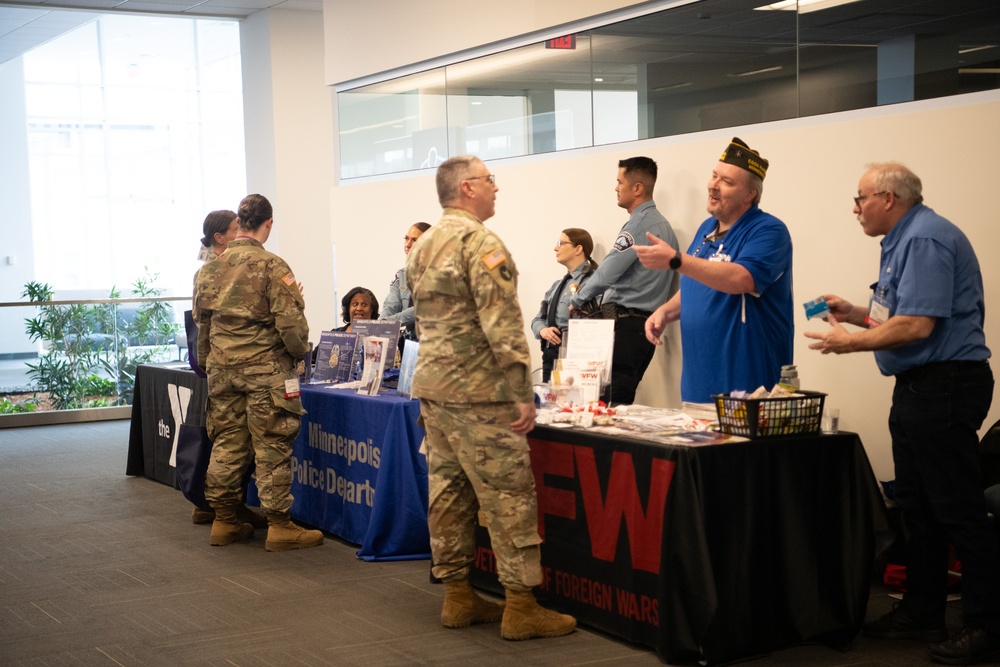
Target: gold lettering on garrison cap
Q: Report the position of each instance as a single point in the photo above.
(739, 154)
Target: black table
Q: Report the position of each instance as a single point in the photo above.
(706, 554)
(166, 396)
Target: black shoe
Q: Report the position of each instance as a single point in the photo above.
(901, 624)
(968, 646)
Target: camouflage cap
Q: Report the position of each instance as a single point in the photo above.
(741, 155)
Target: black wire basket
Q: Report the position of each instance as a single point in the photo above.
(767, 417)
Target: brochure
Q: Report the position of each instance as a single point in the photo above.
(305, 367)
(334, 356)
(376, 350)
(406, 367)
(576, 381)
(592, 340)
(380, 328)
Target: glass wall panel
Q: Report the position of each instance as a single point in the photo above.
(394, 126)
(702, 66)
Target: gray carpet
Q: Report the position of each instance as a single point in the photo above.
(97, 568)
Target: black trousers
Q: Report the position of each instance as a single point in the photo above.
(936, 412)
(632, 354)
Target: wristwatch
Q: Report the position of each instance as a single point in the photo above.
(675, 262)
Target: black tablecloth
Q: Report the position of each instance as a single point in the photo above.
(165, 397)
(711, 553)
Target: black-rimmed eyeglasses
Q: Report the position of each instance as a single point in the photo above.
(861, 198)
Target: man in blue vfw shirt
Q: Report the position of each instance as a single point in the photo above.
(736, 316)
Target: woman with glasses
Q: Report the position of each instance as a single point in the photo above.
(573, 250)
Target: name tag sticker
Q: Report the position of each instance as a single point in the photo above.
(878, 312)
(292, 388)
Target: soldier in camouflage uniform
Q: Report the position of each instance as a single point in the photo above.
(251, 333)
(477, 404)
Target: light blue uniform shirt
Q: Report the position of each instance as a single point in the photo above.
(928, 268)
(621, 277)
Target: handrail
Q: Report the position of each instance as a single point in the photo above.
(73, 302)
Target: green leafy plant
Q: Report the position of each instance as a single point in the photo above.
(9, 407)
(91, 351)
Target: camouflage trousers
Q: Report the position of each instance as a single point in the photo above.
(477, 465)
(250, 419)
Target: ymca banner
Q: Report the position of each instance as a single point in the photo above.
(165, 397)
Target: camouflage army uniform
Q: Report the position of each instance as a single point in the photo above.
(472, 368)
(251, 332)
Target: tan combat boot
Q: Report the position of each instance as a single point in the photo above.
(284, 535)
(227, 528)
(200, 516)
(463, 606)
(523, 618)
(251, 516)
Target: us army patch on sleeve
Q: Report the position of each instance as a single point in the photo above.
(494, 259)
(289, 279)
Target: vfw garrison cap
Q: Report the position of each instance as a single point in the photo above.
(741, 155)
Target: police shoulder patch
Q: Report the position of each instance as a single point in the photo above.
(624, 241)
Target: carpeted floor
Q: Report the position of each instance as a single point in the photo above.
(97, 568)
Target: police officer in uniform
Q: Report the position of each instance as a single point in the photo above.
(573, 250)
(476, 401)
(631, 291)
(252, 331)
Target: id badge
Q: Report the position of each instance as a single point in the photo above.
(878, 311)
(292, 388)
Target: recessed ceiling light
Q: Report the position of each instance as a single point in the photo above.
(598, 79)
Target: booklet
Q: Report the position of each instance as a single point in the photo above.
(576, 381)
(334, 356)
(305, 367)
(379, 328)
(407, 365)
(592, 340)
(376, 350)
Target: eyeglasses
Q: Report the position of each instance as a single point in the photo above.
(492, 178)
(560, 243)
(858, 200)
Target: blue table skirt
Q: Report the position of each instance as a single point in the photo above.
(357, 472)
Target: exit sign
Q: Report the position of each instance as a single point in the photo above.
(567, 42)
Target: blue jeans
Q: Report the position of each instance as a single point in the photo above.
(936, 412)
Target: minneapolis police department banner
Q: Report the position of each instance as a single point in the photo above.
(357, 472)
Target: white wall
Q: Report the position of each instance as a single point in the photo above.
(368, 36)
(15, 231)
(815, 167)
(289, 136)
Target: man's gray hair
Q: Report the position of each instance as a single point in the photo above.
(450, 175)
(899, 180)
(755, 182)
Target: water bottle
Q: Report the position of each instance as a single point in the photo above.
(789, 378)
